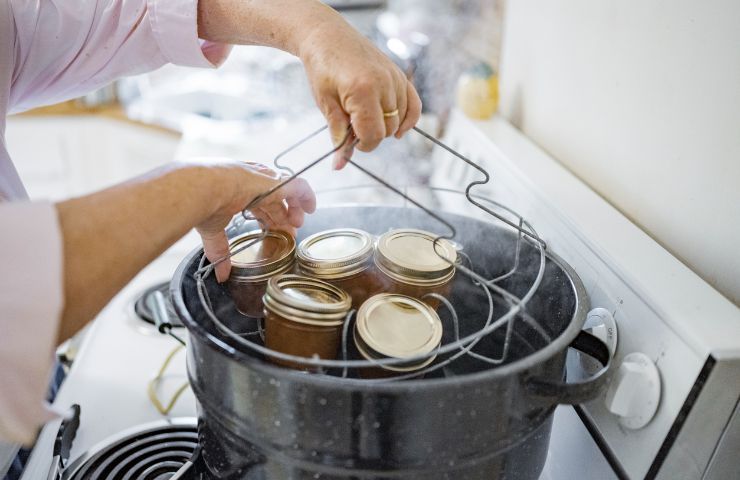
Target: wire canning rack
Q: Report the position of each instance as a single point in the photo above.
(455, 348)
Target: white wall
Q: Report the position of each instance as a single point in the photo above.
(640, 99)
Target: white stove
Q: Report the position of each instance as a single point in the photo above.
(671, 410)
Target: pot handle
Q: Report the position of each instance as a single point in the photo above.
(563, 392)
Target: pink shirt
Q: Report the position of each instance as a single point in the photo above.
(54, 50)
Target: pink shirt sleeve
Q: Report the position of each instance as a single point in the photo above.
(30, 305)
(65, 48)
(52, 50)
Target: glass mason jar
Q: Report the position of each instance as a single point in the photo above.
(342, 257)
(255, 265)
(411, 264)
(304, 317)
(396, 326)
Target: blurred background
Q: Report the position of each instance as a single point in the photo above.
(639, 100)
(253, 106)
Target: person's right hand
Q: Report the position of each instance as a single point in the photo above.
(353, 82)
(239, 183)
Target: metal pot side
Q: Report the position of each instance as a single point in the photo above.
(261, 421)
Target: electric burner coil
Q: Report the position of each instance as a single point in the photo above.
(150, 452)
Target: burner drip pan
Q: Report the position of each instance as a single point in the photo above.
(144, 311)
(150, 452)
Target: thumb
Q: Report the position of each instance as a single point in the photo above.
(339, 123)
(216, 247)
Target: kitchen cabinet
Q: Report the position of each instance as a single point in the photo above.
(69, 155)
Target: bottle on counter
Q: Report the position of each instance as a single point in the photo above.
(477, 92)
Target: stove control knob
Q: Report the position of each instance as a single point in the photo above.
(634, 392)
(600, 323)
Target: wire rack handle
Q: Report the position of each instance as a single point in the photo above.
(292, 175)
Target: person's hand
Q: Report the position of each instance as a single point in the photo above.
(353, 82)
(240, 183)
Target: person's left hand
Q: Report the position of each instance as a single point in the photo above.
(353, 82)
(239, 183)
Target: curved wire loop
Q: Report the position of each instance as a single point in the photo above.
(458, 347)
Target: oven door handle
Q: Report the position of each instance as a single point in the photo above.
(573, 393)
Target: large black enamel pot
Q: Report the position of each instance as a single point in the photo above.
(467, 421)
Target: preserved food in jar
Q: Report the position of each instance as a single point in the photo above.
(411, 264)
(342, 257)
(304, 317)
(397, 326)
(254, 265)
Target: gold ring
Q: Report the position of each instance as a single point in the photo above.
(394, 113)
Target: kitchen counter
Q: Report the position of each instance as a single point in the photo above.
(114, 111)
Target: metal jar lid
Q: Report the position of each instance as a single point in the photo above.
(397, 326)
(307, 300)
(411, 256)
(267, 257)
(337, 253)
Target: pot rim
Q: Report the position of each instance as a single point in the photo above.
(555, 347)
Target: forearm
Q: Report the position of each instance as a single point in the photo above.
(110, 235)
(283, 24)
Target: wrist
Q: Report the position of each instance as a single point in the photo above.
(324, 30)
(283, 24)
(203, 190)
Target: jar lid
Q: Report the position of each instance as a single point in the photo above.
(307, 300)
(335, 253)
(266, 257)
(397, 326)
(411, 256)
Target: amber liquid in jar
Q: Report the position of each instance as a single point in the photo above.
(344, 258)
(420, 292)
(259, 256)
(304, 317)
(287, 336)
(247, 296)
(411, 264)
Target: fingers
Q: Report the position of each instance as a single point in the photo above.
(389, 103)
(295, 213)
(402, 101)
(413, 110)
(285, 208)
(367, 103)
(262, 168)
(342, 155)
(301, 194)
(364, 107)
(339, 128)
(216, 247)
(276, 213)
